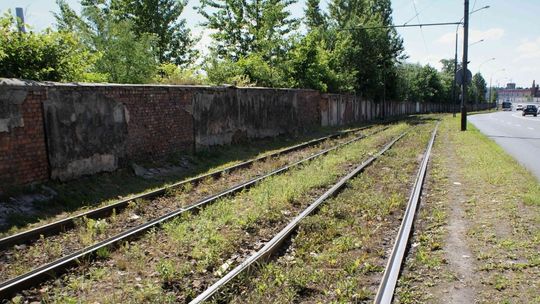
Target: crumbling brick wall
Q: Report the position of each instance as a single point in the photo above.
(23, 156)
(62, 131)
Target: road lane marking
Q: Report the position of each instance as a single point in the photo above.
(530, 128)
(516, 115)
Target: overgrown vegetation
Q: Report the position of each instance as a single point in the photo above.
(177, 262)
(344, 48)
(339, 253)
(499, 222)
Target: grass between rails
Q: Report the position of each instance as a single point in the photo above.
(338, 254)
(101, 189)
(190, 253)
(502, 209)
(18, 260)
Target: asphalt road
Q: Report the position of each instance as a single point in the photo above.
(518, 135)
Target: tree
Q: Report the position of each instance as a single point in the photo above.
(314, 17)
(161, 18)
(478, 89)
(43, 55)
(123, 56)
(243, 27)
(309, 65)
(420, 83)
(372, 53)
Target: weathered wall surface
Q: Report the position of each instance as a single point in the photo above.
(99, 128)
(23, 156)
(62, 131)
(229, 115)
(86, 132)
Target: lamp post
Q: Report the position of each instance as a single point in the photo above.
(479, 69)
(477, 42)
(455, 55)
(490, 78)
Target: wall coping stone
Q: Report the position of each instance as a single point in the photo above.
(15, 82)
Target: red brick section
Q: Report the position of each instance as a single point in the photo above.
(159, 120)
(23, 154)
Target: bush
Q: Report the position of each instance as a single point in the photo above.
(46, 55)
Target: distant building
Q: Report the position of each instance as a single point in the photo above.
(518, 95)
(535, 90)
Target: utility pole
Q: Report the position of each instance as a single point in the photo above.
(465, 60)
(454, 99)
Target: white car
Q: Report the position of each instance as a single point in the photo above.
(519, 107)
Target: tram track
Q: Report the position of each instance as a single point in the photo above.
(61, 225)
(274, 244)
(277, 243)
(33, 277)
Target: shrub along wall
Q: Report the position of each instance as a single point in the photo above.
(63, 131)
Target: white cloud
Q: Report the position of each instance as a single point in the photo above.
(491, 34)
(529, 49)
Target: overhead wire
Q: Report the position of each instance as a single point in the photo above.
(421, 10)
(421, 31)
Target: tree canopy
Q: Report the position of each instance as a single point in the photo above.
(349, 46)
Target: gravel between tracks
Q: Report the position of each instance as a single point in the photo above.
(19, 259)
(176, 263)
(338, 255)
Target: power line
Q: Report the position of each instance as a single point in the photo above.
(421, 31)
(402, 25)
(421, 10)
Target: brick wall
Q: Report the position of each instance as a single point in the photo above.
(23, 156)
(160, 122)
(91, 128)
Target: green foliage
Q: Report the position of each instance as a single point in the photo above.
(314, 17)
(170, 73)
(477, 89)
(125, 57)
(162, 18)
(310, 65)
(44, 55)
(421, 83)
(251, 26)
(251, 70)
(369, 55)
(251, 41)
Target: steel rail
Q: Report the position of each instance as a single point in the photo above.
(272, 245)
(41, 273)
(385, 293)
(67, 223)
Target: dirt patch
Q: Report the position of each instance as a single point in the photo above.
(458, 255)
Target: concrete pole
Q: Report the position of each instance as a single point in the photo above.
(465, 61)
(454, 99)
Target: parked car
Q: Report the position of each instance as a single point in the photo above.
(519, 107)
(530, 110)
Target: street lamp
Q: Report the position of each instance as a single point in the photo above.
(481, 40)
(455, 59)
(490, 78)
(481, 64)
(479, 68)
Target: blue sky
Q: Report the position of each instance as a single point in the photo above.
(510, 30)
